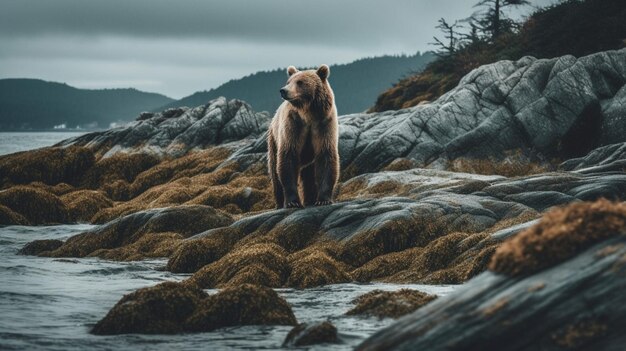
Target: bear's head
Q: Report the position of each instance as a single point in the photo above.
(307, 88)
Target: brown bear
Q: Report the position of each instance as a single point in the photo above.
(303, 141)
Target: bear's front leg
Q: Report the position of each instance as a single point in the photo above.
(288, 175)
(326, 172)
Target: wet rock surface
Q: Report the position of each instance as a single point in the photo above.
(305, 334)
(128, 230)
(572, 303)
(40, 246)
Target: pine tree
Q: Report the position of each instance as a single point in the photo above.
(451, 37)
(492, 20)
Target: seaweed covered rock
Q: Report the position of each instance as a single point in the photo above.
(161, 309)
(171, 308)
(314, 267)
(261, 264)
(184, 220)
(121, 167)
(561, 234)
(196, 253)
(199, 178)
(305, 334)
(573, 285)
(50, 166)
(241, 305)
(34, 205)
(327, 245)
(393, 304)
(150, 245)
(36, 247)
(10, 217)
(82, 205)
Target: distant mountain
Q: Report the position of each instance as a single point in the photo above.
(356, 84)
(37, 104)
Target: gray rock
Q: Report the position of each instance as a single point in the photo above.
(511, 231)
(561, 107)
(577, 305)
(176, 131)
(609, 158)
(527, 104)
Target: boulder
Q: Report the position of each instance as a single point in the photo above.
(389, 304)
(36, 247)
(305, 334)
(174, 132)
(559, 235)
(82, 205)
(172, 308)
(34, 205)
(241, 305)
(161, 309)
(49, 166)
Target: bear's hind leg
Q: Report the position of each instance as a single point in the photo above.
(279, 196)
(288, 175)
(309, 188)
(326, 172)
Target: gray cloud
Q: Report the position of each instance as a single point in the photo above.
(180, 47)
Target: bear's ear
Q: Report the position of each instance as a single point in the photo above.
(323, 71)
(291, 70)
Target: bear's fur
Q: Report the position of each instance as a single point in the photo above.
(303, 141)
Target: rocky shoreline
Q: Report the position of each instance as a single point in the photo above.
(190, 184)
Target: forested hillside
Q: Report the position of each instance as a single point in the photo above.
(27, 104)
(356, 84)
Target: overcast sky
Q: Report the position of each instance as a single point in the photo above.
(179, 47)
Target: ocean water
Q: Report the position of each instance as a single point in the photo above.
(51, 304)
(11, 142)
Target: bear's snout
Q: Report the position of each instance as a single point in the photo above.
(283, 93)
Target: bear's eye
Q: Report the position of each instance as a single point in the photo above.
(299, 83)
